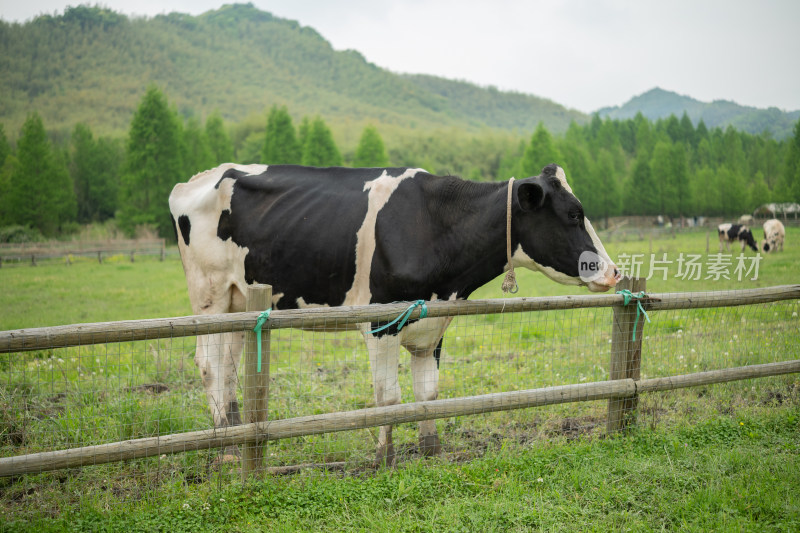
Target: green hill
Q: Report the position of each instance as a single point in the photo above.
(658, 103)
(93, 65)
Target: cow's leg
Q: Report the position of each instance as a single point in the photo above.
(383, 354)
(217, 357)
(423, 340)
(425, 372)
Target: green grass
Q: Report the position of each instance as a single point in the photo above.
(729, 473)
(708, 458)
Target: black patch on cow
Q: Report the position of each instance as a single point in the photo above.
(391, 330)
(747, 237)
(225, 225)
(185, 226)
(231, 173)
(437, 352)
(300, 226)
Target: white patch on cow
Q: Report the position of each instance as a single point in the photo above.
(562, 177)
(212, 266)
(302, 304)
(521, 259)
(276, 298)
(380, 190)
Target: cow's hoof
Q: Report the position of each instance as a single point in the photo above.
(385, 456)
(429, 445)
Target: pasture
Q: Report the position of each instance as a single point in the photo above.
(725, 456)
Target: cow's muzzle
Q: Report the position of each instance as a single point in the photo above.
(609, 278)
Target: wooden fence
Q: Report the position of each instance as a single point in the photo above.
(622, 388)
(33, 252)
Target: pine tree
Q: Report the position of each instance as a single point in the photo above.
(218, 140)
(541, 151)
(153, 165)
(40, 193)
(790, 191)
(280, 145)
(6, 163)
(5, 149)
(641, 197)
(197, 154)
(94, 167)
(320, 150)
(370, 151)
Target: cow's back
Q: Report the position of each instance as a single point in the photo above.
(295, 228)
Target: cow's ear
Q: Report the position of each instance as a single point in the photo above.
(530, 196)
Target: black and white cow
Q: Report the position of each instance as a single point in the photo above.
(729, 233)
(774, 235)
(353, 236)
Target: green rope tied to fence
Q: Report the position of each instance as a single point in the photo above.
(627, 297)
(403, 318)
(262, 318)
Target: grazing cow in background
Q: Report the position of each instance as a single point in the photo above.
(729, 233)
(746, 220)
(354, 236)
(774, 235)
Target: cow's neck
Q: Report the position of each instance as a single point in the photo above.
(471, 247)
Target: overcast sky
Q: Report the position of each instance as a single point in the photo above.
(581, 54)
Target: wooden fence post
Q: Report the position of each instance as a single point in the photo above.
(626, 356)
(163, 251)
(256, 384)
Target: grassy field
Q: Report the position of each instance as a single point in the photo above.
(722, 457)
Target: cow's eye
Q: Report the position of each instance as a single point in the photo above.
(575, 216)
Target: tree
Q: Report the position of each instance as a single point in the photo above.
(791, 173)
(94, 167)
(218, 140)
(5, 149)
(153, 164)
(320, 150)
(758, 191)
(661, 167)
(197, 154)
(281, 145)
(641, 196)
(541, 151)
(40, 192)
(370, 151)
(6, 158)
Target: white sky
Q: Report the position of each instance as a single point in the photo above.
(582, 54)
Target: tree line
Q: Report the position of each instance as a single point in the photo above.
(633, 167)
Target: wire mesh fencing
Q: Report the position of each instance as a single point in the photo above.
(132, 390)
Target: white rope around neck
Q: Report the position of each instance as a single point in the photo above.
(510, 281)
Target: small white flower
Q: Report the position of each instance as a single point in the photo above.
(186, 506)
(794, 315)
(222, 500)
(540, 480)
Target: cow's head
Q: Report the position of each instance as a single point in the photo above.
(554, 237)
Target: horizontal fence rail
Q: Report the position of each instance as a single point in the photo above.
(372, 417)
(321, 318)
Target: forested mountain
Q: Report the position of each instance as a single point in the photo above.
(658, 103)
(91, 65)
